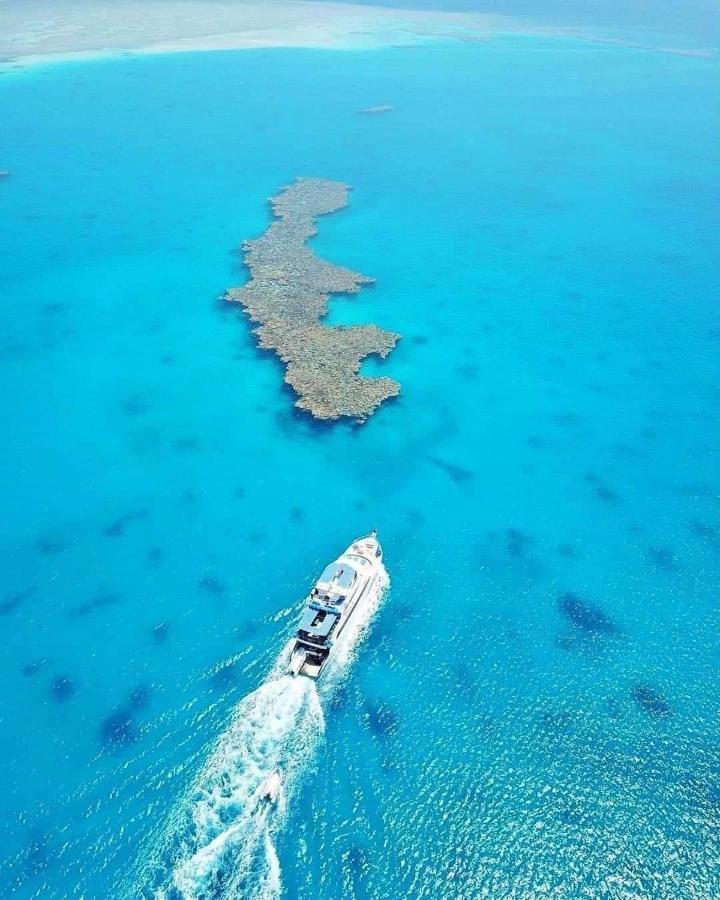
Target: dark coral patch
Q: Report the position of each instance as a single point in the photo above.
(358, 859)
(52, 309)
(62, 688)
(118, 729)
(154, 556)
(140, 696)
(340, 698)
(457, 474)
(13, 601)
(600, 489)
(516, 543)
(566, 419)
(607, 495)
(698, 491)
(14, 350)
(297, 515)
(707, 532)
(536, 442)
(586, 617)
(224, 675)
(403, 612)
(381, 719)
(651, 700)
(49, 546)
(555, 723)
(628, 451)
(161, 632)
(247, 630)
(468, 372)
(33, 667)
(99, 602)
(663, 558)
(379, 635)
(462, 680)
(212, 585)
(117, 528)
(136, 405)
(37, 855)
(187, 444)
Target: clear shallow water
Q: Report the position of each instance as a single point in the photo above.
(541, 219)
(691, 24)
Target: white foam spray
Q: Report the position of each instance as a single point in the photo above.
(219, 841)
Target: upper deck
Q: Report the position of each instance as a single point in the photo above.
(338, 576)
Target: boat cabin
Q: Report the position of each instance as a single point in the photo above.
(317, 624)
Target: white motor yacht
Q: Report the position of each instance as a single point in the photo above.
(332, 602)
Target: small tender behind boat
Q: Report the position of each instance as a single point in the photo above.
(332, 602)
(270, 790)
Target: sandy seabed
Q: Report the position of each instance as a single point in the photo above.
(42, 30)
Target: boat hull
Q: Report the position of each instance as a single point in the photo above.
(332, 605)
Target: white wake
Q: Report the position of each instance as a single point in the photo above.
(219, 841)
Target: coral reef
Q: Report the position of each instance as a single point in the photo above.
(287, 296)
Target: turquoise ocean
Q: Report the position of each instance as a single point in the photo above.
(534, 710)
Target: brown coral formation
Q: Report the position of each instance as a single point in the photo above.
(287, 295)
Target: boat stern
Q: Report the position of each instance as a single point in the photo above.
(304, 663)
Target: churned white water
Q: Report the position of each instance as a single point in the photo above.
(219, 841)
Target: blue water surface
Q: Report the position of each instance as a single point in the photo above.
(693, 23)
(535, 712)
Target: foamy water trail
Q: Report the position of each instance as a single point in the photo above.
(219, 841)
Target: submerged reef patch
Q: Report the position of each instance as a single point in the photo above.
(212, 585)
(99, 602)
(12, 602)
(708, 532)
(117, 528)
(34, 666)
(456, 473)
(287, 295)
(602, 491)
(381, 719)
(663, 558)
(118, 729)
(160, 632)
(516, 542)
(651, 700)
(62, 688)
(140, 696)
(585, 617)
(50, 545)
(154, 557)
(136, 405)
(36, 855)
(223, 675)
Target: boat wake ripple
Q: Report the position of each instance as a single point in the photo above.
(219, 841)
